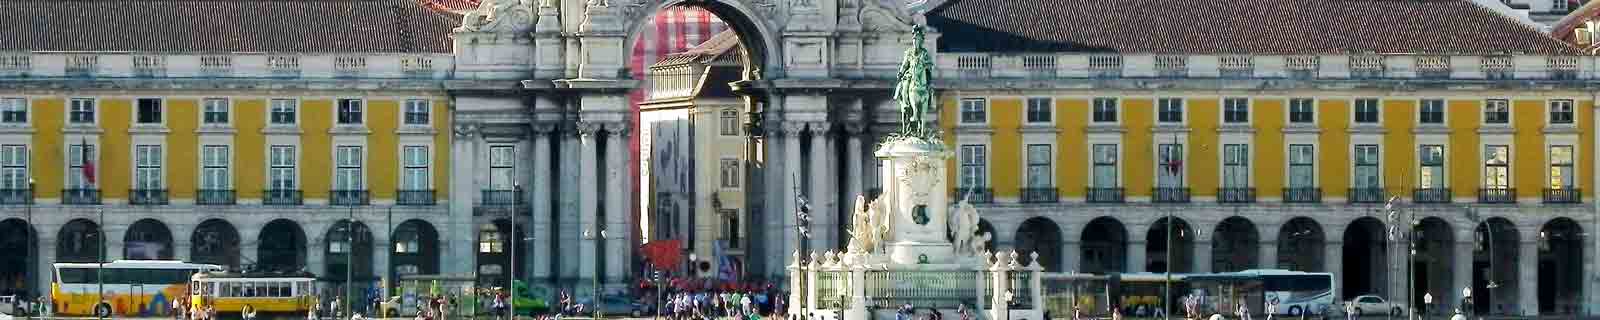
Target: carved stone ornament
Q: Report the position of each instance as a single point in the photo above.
(499, 16)
(466, 130)
(588, 129)
(793, 129)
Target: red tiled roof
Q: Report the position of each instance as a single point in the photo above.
(1235, 27)
(310, 26)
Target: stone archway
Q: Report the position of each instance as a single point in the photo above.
(215, 241)
(348, 252)
(80, 240)
(1182, 243)
(147, 239)
(495, 252)
(1433, 265)
(1040, 235)
(1560, 267)
(415, 249)
(1302, 245)
(1366, 259)
(282, 247)
(1495, 270)
(1235, 245)
(18, 266)
(1104, 246)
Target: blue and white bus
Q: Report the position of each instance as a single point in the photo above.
(1295, 292)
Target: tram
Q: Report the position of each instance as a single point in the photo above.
(265, 292)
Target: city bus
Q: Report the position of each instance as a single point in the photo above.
(1296, 292)
(229, 293)
(1095, 294)
(139, 288)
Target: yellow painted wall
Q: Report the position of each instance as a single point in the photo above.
(383, 158)
(1586, 142)
(48, 117)
(1204, 172)
(1399, 149)
(183, 150)
(1138, 166)
(114, 166)
(1465, 153)
(1528, 164)
(250, 147)
(1072, 173)
(948, 118)
(316, 148)
(1006, 151)
(1333, 157)
(1270, 159)
(441, 148)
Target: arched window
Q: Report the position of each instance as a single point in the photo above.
(489, 239)
(407, 241)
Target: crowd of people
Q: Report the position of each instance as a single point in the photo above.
(697, 304)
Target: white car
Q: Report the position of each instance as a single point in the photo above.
(1375, 305)
(9, 305)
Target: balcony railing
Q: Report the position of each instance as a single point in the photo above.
(1103, 195)
(1564, 195)
(1497, 195)
(499, 202)
(216, 197)
(16, 196)
(147, 196)
(80, 196)
(1039, 195)
(975, 195)
(1431, 195)
(283, 197)
(1302, 195)
(1169, 195)
(414, 197)
(1366, 195)
(350, 197)
(1236, 195)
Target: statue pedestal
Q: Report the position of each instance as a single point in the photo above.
(918, 200)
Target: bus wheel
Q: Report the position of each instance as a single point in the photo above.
(1294, 311)
(1396, 312)
(102, 310)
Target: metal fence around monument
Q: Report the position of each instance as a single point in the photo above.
(831, 290)
(922, 289)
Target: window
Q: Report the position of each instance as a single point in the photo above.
(1236, 166)
(149, 111)
(350, 111)
(82, 111)
(1366, 173)
(1496, 169)
(502, 167)
(730, 122)
(348, 174)
(417, 111)
(1367, 111)
(13, 110)
(1105, 109)
(214, 168)
(1431, 112)
(1302, 110)
(1497, 111)
(1302, 170)
(416, 171)
(1236, 110)
(730, 173)
(75, 156)
(1561, 173)
(338, 243)
(1432, 162)
(1170, 110)
(974, 110)
(1105, 166)
(974, 162)
(1038, 110)
(489, 239)
(730, 227)
(283, 111)
(1039, 165)
(282, 172)
(147, 167)
(14, 166)
(1560, 111)
(216, 111)
(1171, 166)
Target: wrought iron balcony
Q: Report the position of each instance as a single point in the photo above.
(80, 196)
(1103, 195)
(1302, 195)
(414, 197)
(975, 195)
(283, 197)
(216, 197)
(1431, 195)
(500, 198)
(1236, 195)
(349, 197)
(147, 196)
(16, 196)
(1564, 195)
(1039, 195)
(1497, 195)
(1366, 195)
(1169, 195)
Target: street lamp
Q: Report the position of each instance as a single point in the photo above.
(32, 250)
(511, 282)
(599, 238)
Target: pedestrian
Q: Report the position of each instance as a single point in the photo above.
(1349, 310)
(1458, 315)
(1272, 308)
(311, 313)
(1244, 311)
(1116, 313)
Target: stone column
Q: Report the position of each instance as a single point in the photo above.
(1268, 255)
(1461, 278)
(542, 235)
(823, 220)
(1070, 251)
(767, 253)
(457, 236)
(791, 185)
(618, 251)
(1528, 276)
(852, 164)
(380, 256)
(569, 239)
(1201, 261)
(588, 184)
(1135, 257)
(1333, 262)
(44, 265)
(316, 251)
(181, 248)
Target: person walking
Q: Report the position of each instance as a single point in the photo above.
(1244, 311)
(1349, 310)
(1458, 315)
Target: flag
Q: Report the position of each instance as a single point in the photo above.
(1175, 164)
(88, 164)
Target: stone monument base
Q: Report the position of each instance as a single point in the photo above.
(910, 252)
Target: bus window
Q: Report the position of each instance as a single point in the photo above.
(77, 275)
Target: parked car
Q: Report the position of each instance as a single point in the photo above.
(11, 305)
(616, 305)
(1375, 305)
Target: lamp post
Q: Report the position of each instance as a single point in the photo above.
(1396, 218)
(1488, 230)
(599, 239)
(32, 250)
(511, 275)
(349, 257)
(99, 272)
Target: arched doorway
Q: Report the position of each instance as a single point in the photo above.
(494, 244)
(282, 247)
(415, 249)
(348, 249)
(17, 267)
(215, 241)
(1561, 262)
(80, 240)
(147, 239)
(1432, 266)
(1103, 246)
(1235, 245)
(1301, 245)
(1155, 242)
(1042, 236)
(1366, 259)
(1494, 267)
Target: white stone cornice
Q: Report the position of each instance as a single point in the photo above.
(618, 128)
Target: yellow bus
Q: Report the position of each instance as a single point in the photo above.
(138, 288)
(267, 293)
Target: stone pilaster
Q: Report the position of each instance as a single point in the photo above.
(617, 186)
(588, 203)
(824, 221)
(852, 164)
(458, 233)
(1527, 278)
(541, 229)
(1071, 252)
(1333, 261)
(1136, 252)
(791, 186)
(1267, 258)
(1462, 277)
